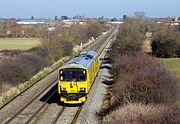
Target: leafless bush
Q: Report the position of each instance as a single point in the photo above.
(149, 84)
(128, 62)
(166, 43)
(139, 77)
(56, 46)
(130, 38)
(20, 68)
(137, 113)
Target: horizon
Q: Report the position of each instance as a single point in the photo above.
(89, 9)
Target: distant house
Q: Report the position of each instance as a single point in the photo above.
(50, 29)
(83, 23)
(115, 22)
(177, 19)
(69, 22)
(30, 21)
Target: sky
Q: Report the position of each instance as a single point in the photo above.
(87, 8)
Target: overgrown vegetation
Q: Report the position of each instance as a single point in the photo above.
(130, 38)
(166, 43)
(56, 46)
(17, 66)
(61, 42)
(143, 79)
(137, 113)
(142, 91)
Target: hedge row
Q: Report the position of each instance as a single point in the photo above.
(140, 78)
(143, 91)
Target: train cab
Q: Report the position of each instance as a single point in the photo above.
(76, 76)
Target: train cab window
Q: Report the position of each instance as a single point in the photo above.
(72, 74)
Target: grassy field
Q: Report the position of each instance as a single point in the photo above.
(173, 65)
(18, 43)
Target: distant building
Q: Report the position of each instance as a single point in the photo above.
(83, 23)
(116, 22)
(30, 21)
(50, 29)
(69, 22)
(177, 19)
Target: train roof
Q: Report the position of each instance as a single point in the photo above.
(83, 59)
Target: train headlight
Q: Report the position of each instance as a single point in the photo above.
(63, 89)
(82, 89)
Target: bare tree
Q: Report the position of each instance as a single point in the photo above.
(139, 14)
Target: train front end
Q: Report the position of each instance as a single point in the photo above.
(73, 85)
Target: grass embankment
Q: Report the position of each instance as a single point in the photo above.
(173, 65)
(18, 43)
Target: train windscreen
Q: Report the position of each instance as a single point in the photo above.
(72, 74)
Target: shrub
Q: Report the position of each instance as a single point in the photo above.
(130, 39)
(20, 67)
(148, 84)
(94, 29)
(137, 113)
(166, 44)
(42, 52)
(56, 46)
(139, 77)
(128, 62)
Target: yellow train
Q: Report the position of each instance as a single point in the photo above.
(75, 77)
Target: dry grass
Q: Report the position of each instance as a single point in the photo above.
(5, 87)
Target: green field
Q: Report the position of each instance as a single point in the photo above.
(18, 43)
(173, 65)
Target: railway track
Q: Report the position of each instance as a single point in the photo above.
(26, 114)
(35, 102)
(64, 118)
